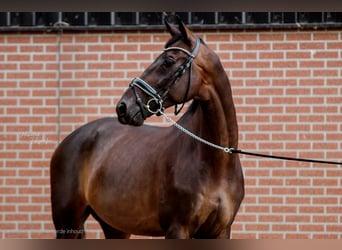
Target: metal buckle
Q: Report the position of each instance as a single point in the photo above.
(154, 106)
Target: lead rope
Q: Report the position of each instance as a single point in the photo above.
(239, 151)
(196, 137)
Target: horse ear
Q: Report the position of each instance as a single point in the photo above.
(171, 28)
(183, 30)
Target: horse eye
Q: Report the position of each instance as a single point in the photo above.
(168, 62)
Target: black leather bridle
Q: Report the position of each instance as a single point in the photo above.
(154, 105)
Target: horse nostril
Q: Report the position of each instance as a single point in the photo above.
(121, 109)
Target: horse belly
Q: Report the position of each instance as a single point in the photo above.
(126, 203)
(128, 218)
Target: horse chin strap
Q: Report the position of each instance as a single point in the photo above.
(155, 104)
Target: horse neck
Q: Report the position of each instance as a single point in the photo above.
(218, 123)
(215, 121)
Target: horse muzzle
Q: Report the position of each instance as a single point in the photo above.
(130, 116)
(121, 110)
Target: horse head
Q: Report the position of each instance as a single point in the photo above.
(172, 79)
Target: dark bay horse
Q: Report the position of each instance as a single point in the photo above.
(155, 181)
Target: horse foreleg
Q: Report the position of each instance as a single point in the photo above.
(225, 234)
(69, 212)
(66, 233)
(69, 223)
(177, 231)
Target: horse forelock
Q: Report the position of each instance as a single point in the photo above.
(173, 40)
(183, 34)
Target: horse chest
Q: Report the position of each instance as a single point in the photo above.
(199, 209)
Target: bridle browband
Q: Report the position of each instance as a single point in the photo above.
(155, 104)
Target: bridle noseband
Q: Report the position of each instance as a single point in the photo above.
(155, 104)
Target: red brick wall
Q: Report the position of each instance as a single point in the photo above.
(287, 87)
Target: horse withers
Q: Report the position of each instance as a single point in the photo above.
(155, 181)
